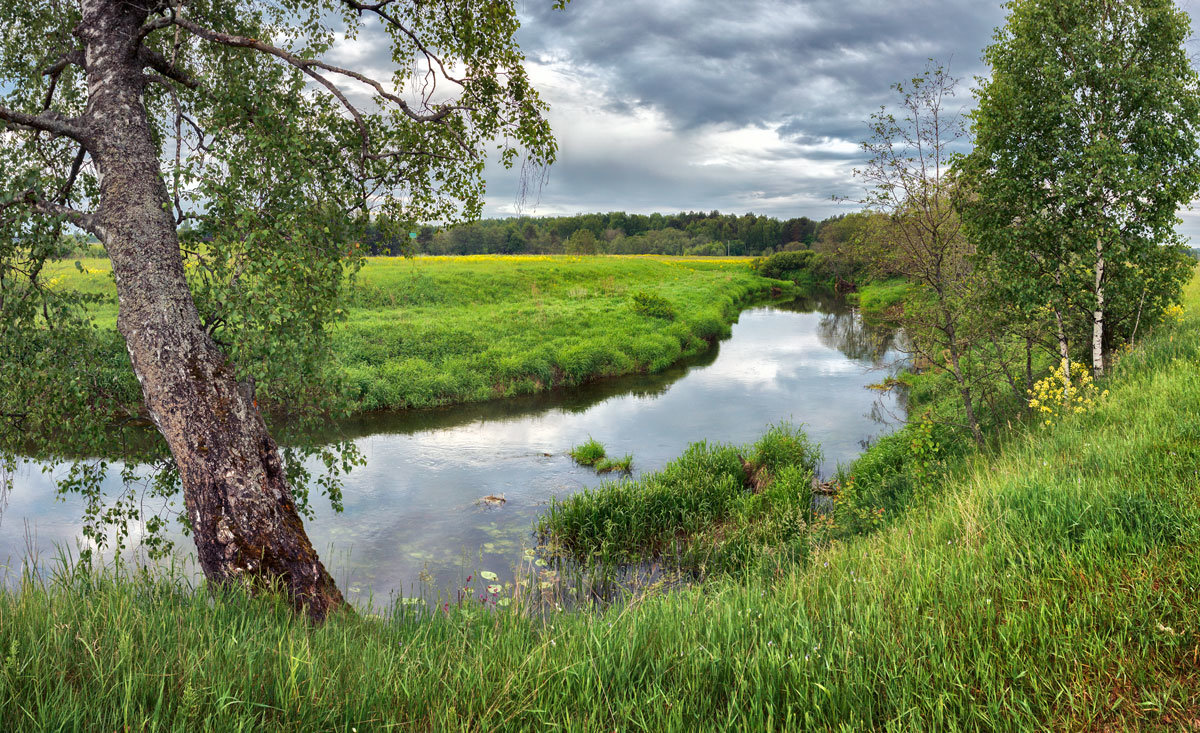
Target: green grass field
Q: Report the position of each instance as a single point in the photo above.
(441, 330)
(1053, 584)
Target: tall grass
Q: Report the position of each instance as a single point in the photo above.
(715, 508)
(593, 454)
(1053, 584)
(589, 453)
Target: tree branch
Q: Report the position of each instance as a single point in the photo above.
(159, 63)
(379, 9)
(49, 121)
(308, 65)
(70, 182)
(157, 23)
(85, 221)
(54, 71)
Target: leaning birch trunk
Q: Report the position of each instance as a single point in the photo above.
(236, 495)
(1098, 314)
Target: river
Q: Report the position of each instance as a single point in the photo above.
(412, 518)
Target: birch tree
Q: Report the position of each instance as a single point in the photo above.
(1086, 139)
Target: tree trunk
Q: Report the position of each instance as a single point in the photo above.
(1064, 350)
(1098, 314)
(1063, 347)
(972, 421)
(964, 388)
(236, 496)
(1005, 368)
(1028, 364)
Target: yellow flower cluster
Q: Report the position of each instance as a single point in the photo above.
(1066, 391)
(1174, 311)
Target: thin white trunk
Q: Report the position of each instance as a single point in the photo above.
(1098, 314)
(1063, 347)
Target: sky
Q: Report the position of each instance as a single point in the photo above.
(752, 106)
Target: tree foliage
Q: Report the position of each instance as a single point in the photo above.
(684, 233)
(1086, 138)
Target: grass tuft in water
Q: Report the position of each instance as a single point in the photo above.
(590, 453)
(608, 465)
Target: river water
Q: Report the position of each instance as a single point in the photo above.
(412, 520)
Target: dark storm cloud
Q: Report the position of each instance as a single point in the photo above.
(755, 105)
(697, 104)
(817, 64)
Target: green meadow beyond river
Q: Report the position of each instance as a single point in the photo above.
(414, 521)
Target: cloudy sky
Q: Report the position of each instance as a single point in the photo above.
(751, 106)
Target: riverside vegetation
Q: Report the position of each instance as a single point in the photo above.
(1046, 582)
(431, 331)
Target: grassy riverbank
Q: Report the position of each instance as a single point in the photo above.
(1050, 584)
(441, 330)
(432, 331)
(717, 508)
(880, 299)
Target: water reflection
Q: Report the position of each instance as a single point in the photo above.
(849, 334)
(413, 510)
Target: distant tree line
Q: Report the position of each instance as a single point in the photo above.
(687, 233)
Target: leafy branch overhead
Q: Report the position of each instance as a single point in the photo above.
(413, 143)
(266, 145)
(228, 163)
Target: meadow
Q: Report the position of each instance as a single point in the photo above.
(1047, 583)
(432, 331)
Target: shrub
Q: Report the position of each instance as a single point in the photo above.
(653, 306)
(783, 265)
(701, 512)
(785, 445)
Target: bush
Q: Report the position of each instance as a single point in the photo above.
(653, 306)
(717, 508)
(785, 446)
(783, 265)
